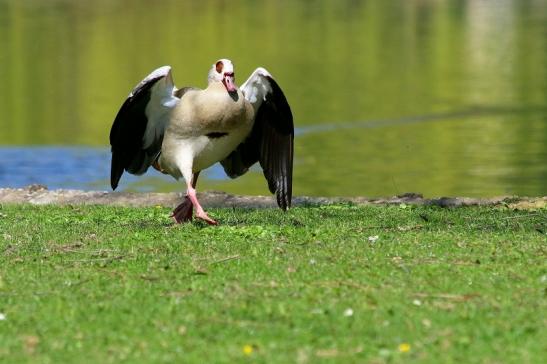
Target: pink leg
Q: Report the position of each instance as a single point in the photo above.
(184, 211)
(200, 213)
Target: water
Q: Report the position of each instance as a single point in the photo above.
(85, 168)
(438, 97)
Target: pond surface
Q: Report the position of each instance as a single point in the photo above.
(438, 97)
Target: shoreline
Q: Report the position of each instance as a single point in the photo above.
(40, 195)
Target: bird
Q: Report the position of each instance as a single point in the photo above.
(182, 131)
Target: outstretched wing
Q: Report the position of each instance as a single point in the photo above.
(271, 141)
(137, 132)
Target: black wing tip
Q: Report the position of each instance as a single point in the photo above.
(285, 205)
(114, 180)
(283, 194)
(116, 170)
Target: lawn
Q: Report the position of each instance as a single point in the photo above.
(338, 283)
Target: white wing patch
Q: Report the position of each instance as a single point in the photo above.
(257, 87)
(162, 71)
(162, 101)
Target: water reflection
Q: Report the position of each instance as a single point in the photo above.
(453, 95)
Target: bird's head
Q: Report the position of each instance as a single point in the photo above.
(223, 71)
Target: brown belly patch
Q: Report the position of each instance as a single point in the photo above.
(216, 135)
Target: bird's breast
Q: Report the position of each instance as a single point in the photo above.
(211, 111)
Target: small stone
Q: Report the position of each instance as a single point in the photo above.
(36, 187)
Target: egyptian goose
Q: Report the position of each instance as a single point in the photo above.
(181, 132)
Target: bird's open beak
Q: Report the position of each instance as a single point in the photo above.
(229, 82)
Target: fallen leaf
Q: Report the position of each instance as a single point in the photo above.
(30, 342)
(201, 271)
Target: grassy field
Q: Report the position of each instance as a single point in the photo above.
(338, 283)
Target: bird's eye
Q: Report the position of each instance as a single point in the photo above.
(219, 66)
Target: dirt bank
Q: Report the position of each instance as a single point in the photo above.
(40, 195)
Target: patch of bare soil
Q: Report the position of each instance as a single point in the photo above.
(40, 195)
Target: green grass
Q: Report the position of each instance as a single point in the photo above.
(112, 285)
